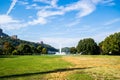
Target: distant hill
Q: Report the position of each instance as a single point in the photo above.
(15, 42)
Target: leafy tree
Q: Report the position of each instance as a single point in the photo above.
(15, 52)
(17, 42)
(111, 44)
(44, 51)
(24, 49)
(87, 46)
(1, 51)
(39, 49)
(66, 50)
(73, 50)
(34, 49)
(7, 48)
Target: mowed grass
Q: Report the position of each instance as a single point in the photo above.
(54, 67)
(30, 67)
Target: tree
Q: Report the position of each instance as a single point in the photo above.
(39, 49)
(7, 48)
(111, 44)
(15, 52)
(66, 50)
(24, 49)
(17, 42)
(34, 49)
(1, 51)
(87, 46)
(73, 50)
(44, 51)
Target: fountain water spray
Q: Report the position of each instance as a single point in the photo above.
(60, 50)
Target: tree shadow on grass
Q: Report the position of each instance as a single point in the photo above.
(45, 72)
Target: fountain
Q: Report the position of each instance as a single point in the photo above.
(60, 51)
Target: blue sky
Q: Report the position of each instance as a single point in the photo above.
(60, 21)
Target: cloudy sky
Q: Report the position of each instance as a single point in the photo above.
(60, 21)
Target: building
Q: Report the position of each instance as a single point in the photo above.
(41, 43)
(14, 36)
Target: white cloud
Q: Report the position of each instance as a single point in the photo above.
(44, 13)
(7, 22)
(12, 26)
(34, 5)
(85, 7)
(65, 42)
(71, 24)
(23, 2)
(30, 17)
(44, 1)
(5, 19)
(11, 6)
(52, 3)
(28, 7)
(96, 1)
(112, 21)
(40, 20)
(107, 1)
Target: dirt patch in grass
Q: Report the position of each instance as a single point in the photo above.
(101, 68)
(97, 68)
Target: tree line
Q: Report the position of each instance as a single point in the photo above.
(109, 46)
(9, 46)
(22, 49)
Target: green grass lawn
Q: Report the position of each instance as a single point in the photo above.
(24, 67)
(53, 67)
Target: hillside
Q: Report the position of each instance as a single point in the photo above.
(15, 42)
